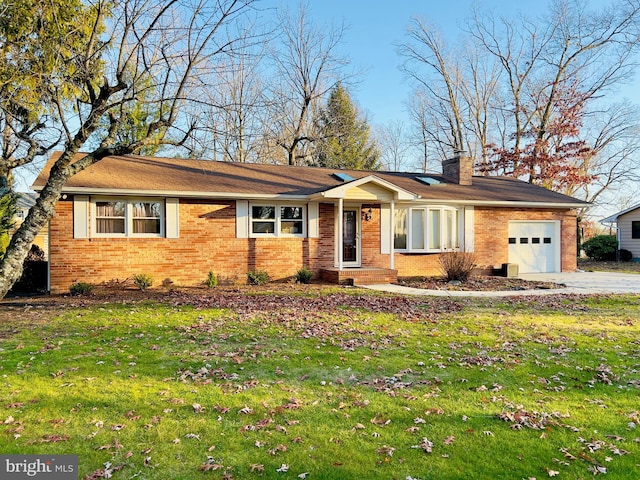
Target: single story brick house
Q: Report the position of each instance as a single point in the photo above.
(627, 230)
(179, 219)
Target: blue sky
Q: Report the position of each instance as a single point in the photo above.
(376, 27)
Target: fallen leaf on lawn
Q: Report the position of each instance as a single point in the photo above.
(246, 410)
(54, 438)
(257, 467)
(118, 427)
(387, 450)
(358, 426)
(380, 421)
(206, 467)
(303, 475)
(552, 473)
(425, 445)
(596, 469)
(277, 449)
(449, 440)
(192, 435)
(197, 408)
(283, 468)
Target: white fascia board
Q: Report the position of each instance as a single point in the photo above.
(181, 194)
(408, 199)
(494, 203)
(614, 218)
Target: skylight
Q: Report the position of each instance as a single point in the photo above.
(429, 180)
(345, 177)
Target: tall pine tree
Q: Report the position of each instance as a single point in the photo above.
(344, 137)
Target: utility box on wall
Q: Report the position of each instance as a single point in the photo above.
(510, 270)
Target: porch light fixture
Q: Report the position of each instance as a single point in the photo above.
(366, 214)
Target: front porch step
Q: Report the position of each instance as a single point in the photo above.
(359, 276)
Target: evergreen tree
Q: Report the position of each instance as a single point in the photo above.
(8, 210)
(344, 137)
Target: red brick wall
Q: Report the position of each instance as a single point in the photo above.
(491, 241)
(207, 243)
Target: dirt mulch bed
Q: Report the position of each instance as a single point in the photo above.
(477, 283)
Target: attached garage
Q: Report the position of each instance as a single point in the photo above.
(535, 246)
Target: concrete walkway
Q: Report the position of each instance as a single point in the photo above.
(572, 282)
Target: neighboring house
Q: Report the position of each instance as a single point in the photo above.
(628, 230)
(26, 200)
(180, 219)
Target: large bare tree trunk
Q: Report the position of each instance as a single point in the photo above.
(21, 241)
(159, 53)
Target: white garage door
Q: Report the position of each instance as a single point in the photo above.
(535, 246)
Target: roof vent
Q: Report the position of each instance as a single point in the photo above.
(345, 177)
(429, 180)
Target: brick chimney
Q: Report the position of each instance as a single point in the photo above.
(459, 169)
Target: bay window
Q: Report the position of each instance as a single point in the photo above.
(277, 220)
(426, 229)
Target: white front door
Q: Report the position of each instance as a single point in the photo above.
(535, 246)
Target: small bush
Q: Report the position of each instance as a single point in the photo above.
(142, 281)
(212, 280)
(80, 288)
(601, 248)
(257, 278)
(625, 255)
(456, 265)
(304, 275)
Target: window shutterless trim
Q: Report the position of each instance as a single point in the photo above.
(128, 218)
(278, 220)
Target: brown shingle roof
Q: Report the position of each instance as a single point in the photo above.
(138, 174)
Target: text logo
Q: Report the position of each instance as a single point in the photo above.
(39, 467)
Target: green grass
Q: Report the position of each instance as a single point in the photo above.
(330, 385)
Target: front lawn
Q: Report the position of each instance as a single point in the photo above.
(325, 384)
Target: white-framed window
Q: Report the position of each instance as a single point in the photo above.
(277, 220)
(427, 229)
(128, 217)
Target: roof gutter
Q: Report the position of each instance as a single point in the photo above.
(314, 197)
(174, 193)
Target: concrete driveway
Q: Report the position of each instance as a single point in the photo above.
(572, 282)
